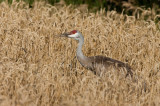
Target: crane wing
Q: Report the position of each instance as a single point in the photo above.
(100, 64)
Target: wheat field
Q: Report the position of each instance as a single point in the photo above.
(39, 68)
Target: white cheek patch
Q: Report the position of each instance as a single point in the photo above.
(73, 35)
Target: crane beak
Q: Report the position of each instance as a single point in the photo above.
(65, 34)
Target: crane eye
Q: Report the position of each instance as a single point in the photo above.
(73, 32)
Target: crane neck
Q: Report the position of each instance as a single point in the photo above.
(84, 61)
(79, 48)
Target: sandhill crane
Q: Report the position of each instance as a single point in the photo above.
(97, 64)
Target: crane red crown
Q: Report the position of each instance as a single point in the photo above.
(73, 32)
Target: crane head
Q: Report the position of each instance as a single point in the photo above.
(73, 34)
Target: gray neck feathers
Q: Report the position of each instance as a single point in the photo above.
(79, 48)
(81, 58)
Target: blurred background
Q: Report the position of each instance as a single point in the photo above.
(118, 5)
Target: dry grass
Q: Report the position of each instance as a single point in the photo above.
(38, 68)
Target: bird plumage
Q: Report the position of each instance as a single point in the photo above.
(100, 64)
